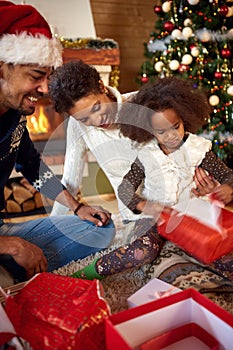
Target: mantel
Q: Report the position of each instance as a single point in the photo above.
(92, 56)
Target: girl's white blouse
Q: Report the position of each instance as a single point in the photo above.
(169, 178)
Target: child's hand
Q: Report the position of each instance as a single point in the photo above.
(155, 209)
(205, 183)
(223, 193)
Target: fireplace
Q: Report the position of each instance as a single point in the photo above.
(45, 122)
(47, 129)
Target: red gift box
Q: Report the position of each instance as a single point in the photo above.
(129, 329)
(198, 239)
(58, 312)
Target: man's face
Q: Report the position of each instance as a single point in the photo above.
(22, 86)
(95, 110)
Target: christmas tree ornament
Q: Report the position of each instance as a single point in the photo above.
(158, 9)
(192, 46)
(195, 51)
(144, 78)
(168, 26)
(187, 32)
(183, 68)
(223, 10)
(159, 66)
(214, 100)
(187, 22)
(166, 6)
(225, 53)
(181, 8)
(204, 35)
(230, 90)
(230, 12)
(230, 34)
(193, 2)
(187, 59)
(176, 34)
(218, 75)
(174, 65)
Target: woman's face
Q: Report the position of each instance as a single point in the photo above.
(168, 129)
(95, 110)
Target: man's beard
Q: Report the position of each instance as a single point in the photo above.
(26, 112)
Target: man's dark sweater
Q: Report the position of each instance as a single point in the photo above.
(17, 150)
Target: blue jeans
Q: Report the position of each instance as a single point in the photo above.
(62, 238)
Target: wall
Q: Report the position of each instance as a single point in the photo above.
(129, 23)
(70, 19)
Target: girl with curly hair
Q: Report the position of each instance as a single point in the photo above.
(169, 112)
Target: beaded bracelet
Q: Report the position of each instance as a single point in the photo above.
(77, 209)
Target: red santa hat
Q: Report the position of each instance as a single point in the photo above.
(26, 38)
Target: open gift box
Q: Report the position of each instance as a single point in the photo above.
(130, 329)
(205, 232)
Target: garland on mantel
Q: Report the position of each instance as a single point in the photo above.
(88, 43)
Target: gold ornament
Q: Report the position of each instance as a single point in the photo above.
(114, 77)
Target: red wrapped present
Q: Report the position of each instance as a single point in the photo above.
(205, 239)
(58, 312)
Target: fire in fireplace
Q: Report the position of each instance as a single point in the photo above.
(45, 123)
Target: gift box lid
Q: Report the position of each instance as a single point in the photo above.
(153, 290)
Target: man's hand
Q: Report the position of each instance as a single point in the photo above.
(26, 254)
(97, 215)
(204, 183)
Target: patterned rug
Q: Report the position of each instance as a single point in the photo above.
(172, 266)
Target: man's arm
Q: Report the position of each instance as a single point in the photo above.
(97, 214)
(26, 254)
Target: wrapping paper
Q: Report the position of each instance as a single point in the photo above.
(196, 236)
(57, 312)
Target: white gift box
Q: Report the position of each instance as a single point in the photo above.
(153, 290)
(130, 329)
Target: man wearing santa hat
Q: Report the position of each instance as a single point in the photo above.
(28, 56)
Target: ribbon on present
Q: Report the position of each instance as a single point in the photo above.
(59, 312)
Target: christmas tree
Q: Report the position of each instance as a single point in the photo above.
(193, 39)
